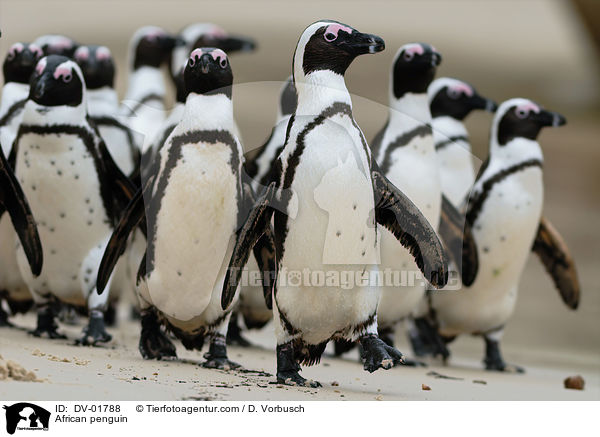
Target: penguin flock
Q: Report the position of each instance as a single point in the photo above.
(105, 200)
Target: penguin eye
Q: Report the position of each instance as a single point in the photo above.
(330, 36)
(453, 94)
(408, 56)
(67, 78)
(191, 62)
(521, 113)
(11, 55)
(223, 63)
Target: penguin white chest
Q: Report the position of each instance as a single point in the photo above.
(194, 230)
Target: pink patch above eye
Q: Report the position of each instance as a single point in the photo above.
(414, 49)
(102, 53)
(217, 32)
(218, 54)
(62, 72)
(35, 49)
(335, 28)
(197, 53)
(41, 66)
(82, 53)
(462, 88)
(529, 107)
(62, 43)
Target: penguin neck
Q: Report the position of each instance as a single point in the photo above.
(409, 111)
(207, 112)
(102, 101)
(144, 81)
(48, 115)
(514, 152)
(319, 90)
(446, 126)
(11, 93)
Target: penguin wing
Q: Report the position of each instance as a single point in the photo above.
(557, 260)
(458, 239)
(132, 216)
(257, 224)
(401, 217)
(13, 200)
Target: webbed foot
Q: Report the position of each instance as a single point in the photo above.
(376, 354)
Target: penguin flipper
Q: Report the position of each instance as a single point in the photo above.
(401, 217)
(13, 200)
(557, 259)
(264, 252)
(254, 227)
(458, 239)
(132, 216)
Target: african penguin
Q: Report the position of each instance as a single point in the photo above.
(76, 193)
(327, 196)
(193, 210)
(144, 105)
(405, 152)
(504, 209)
(450, 102)
(56, 45)
(260, 170)
(98, 67)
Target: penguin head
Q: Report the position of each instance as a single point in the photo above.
(57, 45)
(57, 81)
(20, 62)
(208, 72)
(455, 98)
(288, 99)
(522, 118)
(151, 46)
(328, 45)
(97, 65)
(414, 68)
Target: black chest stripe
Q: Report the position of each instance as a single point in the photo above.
(177, 143)
(113, 122)
(145, 100)
(401, 141)
(13, 111)
(450, 140)
(478, 199)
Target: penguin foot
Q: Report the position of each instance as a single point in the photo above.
(95, 331)
(412, 363)
(46, 324)
(501, 366)
(293, 378)
(288, 368)
(426, 340)
(216, 357)
(493, 358)
(154, 343)
(234, 333)
(4, 322)
(376, 354)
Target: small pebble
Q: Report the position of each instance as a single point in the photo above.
(575, 382)
(425, 387)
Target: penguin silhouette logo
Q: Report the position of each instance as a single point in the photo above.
(26, 416)
(343, 243)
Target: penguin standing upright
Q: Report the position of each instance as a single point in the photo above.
(98, 67)
(17, 68)
(504, 210)
(75, 190)
(326, 166)
(194, 206)
(56, 45)
(450, 101)
(405, 152)
(144, 103)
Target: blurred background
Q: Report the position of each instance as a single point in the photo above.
(546, 50)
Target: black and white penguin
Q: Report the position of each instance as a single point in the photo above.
(76, 193)
(326, 200)
(144, 108)
(18, 66)
(505, 212)
(98, 67)
(17, 69)
(194, 206)
(450, 102)
(260, 169)
(57, 45)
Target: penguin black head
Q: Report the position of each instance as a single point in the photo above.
(56, 81)
(522, 118)
(288, 99)
(97, 66)
(414, 68)
(151, 46)
(20, 62)
(208, 72)
(455, 98)
(57, 45)
(329, 45)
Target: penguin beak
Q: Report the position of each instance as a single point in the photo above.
(38, 88)
(27, 59)
(549, 118)
(204, 64)
(363, 43)
(232, 44)
(478, 102)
